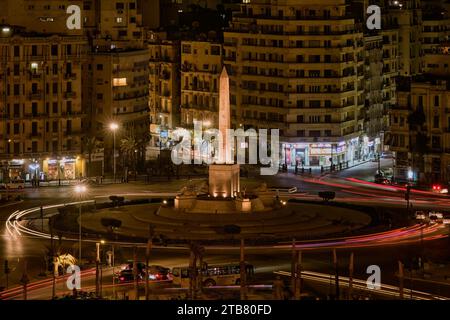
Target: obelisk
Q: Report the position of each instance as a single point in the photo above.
(224, 115)
(224, 177)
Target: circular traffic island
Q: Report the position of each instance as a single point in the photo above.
(291, 220)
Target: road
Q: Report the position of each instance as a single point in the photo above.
(384, 251)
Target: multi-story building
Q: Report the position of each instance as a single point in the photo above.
(48, 16)
(375, 114)
(201, 64)
(41, 105)
(164, 87)
(298, 67)
(408, 16)
(119, 94)
(420, 126)
(436, 27)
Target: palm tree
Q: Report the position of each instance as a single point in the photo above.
(91, 143)
(128, 148)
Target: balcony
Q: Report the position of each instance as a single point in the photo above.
(34, 135)
(35, 95)
(70, 95)
(70, 76)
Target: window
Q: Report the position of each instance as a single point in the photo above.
(34, 50)
(120, 6)
(16, 69)
(436, 122)
(16, 89)
(99, 96)
(300, 119)
(99, 67)
(55, 69)
(132, 5)
(436, 101)
(54, 50)
(119, 20)
(55, 107)
(16, 51)
(55, 126)
(187, 48)
(215, 50)
(34, 109)
(119, 82)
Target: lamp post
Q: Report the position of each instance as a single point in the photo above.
(114, 126)
(80, 190)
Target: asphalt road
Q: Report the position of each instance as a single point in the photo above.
(33, 250)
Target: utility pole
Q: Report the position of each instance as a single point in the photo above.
(135, 274)
(24, 280)
(52, 246)
(294, 259)
(407, 198)
(400, 278)
(336, 276)
(298, 287)
(6, 271)
(243, 287)
(350, 277)
(151, 231)
(97, 271)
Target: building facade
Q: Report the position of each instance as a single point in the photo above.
(299, 67)
(41, 106)
(164, 88)
(201, 64)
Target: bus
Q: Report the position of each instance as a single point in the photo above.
(214, 275)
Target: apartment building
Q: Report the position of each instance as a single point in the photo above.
(375, 114)
(41, 105)
(47, 16)
(407, 15)
(164, 87)
(420, 125)
(201, 64)
(299, 67)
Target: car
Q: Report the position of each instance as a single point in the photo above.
(158, 273)
(126, 276)
(16, 184)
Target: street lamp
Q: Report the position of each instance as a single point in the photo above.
(80, 190)
(114, 126)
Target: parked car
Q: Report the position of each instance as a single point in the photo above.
(16, 184)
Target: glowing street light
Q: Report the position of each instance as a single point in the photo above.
(114, 126)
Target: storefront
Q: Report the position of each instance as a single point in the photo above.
(314, 154)
(64, 169)
(325, 154)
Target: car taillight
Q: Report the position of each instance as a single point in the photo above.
(122, 278)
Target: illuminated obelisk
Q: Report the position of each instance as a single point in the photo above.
(224, 177)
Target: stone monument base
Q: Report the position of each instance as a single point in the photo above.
(224, 180)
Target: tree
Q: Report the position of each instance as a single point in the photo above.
(419, 146)
(128, 148)
(91, 143)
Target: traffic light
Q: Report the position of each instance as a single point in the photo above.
(408, 191)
